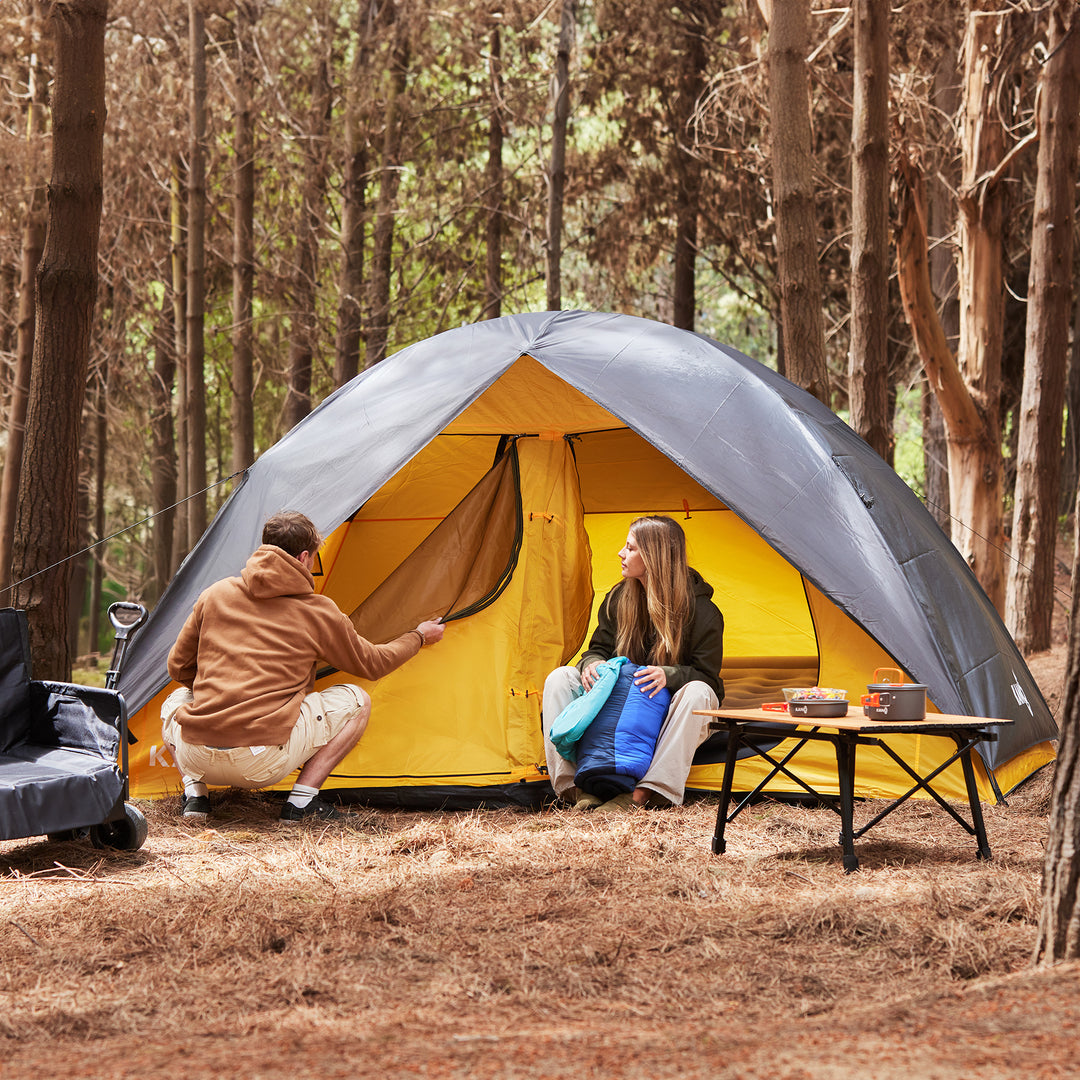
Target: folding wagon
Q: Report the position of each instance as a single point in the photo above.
(64, 747)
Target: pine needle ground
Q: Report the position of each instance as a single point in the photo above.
(508, 943)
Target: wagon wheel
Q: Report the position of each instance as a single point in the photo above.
(126, 834)
(67, 834)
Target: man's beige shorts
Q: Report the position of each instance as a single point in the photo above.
(322, 715)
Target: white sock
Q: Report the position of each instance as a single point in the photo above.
(194, 789)
(301, 795)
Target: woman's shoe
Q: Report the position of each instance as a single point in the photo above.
(625, 801)
(585, 802)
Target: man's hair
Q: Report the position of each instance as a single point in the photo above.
(293, 532)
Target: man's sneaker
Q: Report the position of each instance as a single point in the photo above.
(317, 810)
(194, 807)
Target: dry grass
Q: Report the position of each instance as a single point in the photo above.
(414, 930)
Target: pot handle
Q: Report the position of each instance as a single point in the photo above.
(873, 701)
(878, 672)
(775, 706)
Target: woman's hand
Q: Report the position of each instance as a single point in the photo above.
(588, 675)
(651, 680)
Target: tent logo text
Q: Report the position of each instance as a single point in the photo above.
(1021, 697)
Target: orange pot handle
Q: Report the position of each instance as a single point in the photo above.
(878, 672)
(871, 700)
(775, 706)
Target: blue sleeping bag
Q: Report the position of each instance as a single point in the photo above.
(616, 749)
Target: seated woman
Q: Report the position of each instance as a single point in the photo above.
(660, 616)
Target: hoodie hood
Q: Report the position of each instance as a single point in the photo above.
(701, 588)
(271, 571)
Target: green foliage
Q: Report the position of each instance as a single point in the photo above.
(907, 428)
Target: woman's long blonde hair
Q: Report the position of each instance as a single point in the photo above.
(652, 615)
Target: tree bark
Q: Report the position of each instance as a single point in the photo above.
(943, 277)
(378, 328)
(353, 213)
(868, 366)
(1029, 600)
(101, 448)
(1058, 935)
(796, 222)
(243, 271)
(305, 329)
(967, 385)
(196, 282)
(178, 262)
(66, 295)
(688, 179)
(975, 460)
(557, 165)
(1070, 470)
(9, 292)
(493, 186)
(162, 452)
(33, 243)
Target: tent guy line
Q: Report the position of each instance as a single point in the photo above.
(120, 532)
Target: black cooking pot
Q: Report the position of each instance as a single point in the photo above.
(894, 700)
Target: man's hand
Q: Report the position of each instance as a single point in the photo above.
(432, 631)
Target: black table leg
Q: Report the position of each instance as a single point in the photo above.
(845, 772)
(734, 737)
(977, 823)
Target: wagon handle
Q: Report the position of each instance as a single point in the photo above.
(126, 618)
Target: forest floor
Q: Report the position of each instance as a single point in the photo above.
(497, 944)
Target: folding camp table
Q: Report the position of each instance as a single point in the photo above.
(762, 731)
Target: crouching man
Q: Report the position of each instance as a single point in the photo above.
(246, 714)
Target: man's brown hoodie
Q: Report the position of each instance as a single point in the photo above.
(250, 649)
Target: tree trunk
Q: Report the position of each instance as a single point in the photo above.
(77, 587)
(967, 385)
(178, 229)
(243, 271)
(796, 222)
(1070, 470)
(101, 448)
(305, 328)
(66, 294)
(33, 243)
(963, 421)
(688, 179)
(9, 291)
(943, 278)
(493, 187)
(975, 460)
(557, 166)
(378, 328)
(1029, 600)
(1058, 936)
(353, 210)
(868, 366)
(195, 416)
(162, 452)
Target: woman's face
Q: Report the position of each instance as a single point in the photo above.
(630, 557)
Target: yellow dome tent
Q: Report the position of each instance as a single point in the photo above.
(489, 474)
